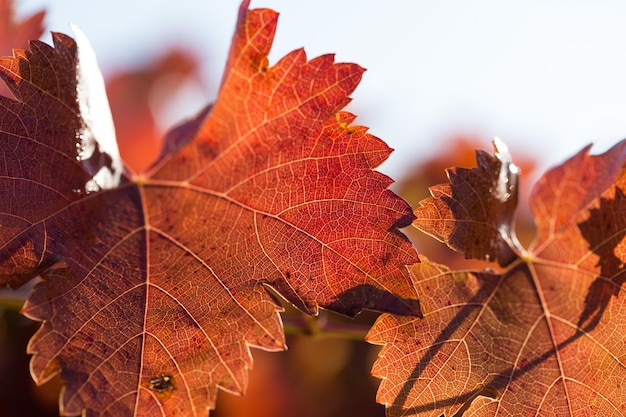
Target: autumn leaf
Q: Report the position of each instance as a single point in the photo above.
(154, 286)
(482, 228)
(413, 187)
(547, 336)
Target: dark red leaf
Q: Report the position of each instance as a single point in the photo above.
(474, 213)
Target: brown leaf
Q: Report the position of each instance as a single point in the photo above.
(546, 336)
(155, 286)
(474, 213)
(413, 187)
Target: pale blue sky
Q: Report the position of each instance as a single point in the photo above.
(546, 77)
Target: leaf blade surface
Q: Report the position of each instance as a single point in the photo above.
(543, 337)
(153, 291)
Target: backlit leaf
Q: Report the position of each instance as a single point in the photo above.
(154, 286)
(547, 336)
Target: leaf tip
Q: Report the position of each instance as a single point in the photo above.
(243, 8)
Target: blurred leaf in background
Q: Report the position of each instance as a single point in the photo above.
(140, 95)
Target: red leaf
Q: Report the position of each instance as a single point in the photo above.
(546, 336)
(154, 289)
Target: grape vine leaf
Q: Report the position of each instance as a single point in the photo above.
(154, 286)
(546, 336)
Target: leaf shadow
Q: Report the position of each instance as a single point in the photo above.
(353, 300)
(491, 388)
(603, 231)
(434, 348)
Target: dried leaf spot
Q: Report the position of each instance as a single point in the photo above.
(161, 383)
(344, 125)
(264, 64)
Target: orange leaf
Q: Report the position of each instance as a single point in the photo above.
(155, 286)
(545, 337)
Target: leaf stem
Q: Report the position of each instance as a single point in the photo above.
(11, 303)
(320, 327)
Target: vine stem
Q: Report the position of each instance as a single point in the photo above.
(8, 303)
(323, 328)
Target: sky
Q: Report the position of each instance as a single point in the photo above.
(546, 77)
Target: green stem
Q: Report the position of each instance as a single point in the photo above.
(321, 327)
(11, 303)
